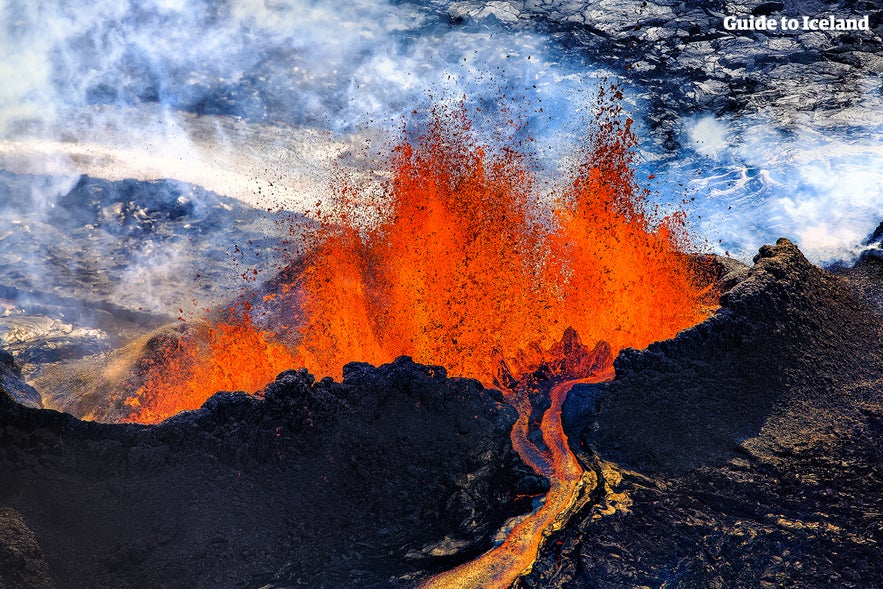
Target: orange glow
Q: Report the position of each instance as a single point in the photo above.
(466, 265)
(228, 355)
(464, 268)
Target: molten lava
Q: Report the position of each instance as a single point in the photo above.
(465, 266)
(230, 355)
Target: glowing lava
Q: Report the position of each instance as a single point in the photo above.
(230, 355)
(501, 566)
(467, 264)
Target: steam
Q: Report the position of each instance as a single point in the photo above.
(247, 99)
(817, 180)
(245, 96)
(254, 100)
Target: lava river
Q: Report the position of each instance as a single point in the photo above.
(461, 261)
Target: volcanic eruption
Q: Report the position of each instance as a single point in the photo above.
(339, 294)
(466, 266)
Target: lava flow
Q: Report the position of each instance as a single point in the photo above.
(501, 566)
(470, 269)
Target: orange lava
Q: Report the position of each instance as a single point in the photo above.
(499, 567)
(230, 355)
(466, 264)
(465, 267)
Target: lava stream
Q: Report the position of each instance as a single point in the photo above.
(502, 565)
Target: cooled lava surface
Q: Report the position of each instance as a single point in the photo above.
(358, 483)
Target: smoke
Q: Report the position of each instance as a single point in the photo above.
(227, 94)
(247, 99)
(817, 179)
(254, 99)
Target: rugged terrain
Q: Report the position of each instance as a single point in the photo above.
(361, 483)
(743, 453)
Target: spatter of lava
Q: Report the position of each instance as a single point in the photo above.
(467, 264)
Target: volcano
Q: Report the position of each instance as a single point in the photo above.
(710, 400)
(440, 295)
(751, 434)
(733, 407)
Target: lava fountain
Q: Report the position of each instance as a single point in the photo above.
(468, 267)
(465, 265)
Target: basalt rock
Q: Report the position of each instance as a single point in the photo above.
(393, 471)
(742, 453)
(865, 277)
(788, 339)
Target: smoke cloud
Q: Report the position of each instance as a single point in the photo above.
(254, 99)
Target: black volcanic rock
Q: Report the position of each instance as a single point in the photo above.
(22, 564)
(742, 453)
(865, 277)
(682, 51)
(788, 338)
(391, 472)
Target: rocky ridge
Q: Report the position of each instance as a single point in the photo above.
(743, 452)
(391, 472)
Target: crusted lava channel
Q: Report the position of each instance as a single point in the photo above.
(539, 439)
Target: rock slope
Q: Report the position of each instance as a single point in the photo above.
(393, 471)
(742, 453)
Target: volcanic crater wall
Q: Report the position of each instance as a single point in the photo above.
(393, 471)
(788, 338)
(742, 453)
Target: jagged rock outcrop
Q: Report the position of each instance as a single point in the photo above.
(392, 471)
(865, 277)
(788, 337)
(742, 453)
